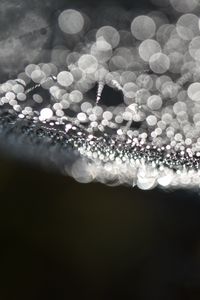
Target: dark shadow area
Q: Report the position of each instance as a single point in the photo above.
(64, 240)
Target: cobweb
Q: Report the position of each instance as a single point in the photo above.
(119, 104)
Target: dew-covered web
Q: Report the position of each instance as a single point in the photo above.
(124, 99)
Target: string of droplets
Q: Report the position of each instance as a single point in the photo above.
(152, 137)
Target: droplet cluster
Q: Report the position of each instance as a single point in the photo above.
(148, 138)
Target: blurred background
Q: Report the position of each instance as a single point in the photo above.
(63, 240)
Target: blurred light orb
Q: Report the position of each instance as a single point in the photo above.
(71, 21)
(65, 78)
(154, 102)
(21, 96)
(184, 6)
(109, 34)
(194, 48)
(147, 48)
(37, 76)
(88, 63)
(102, 50)
(76, 96)
(187, 26)
(194, 91)
(45, 114)
(159, 63)
(82, 117)
(151, 120)
(82, 172)
(146, 179)
(130, 88)
(30, 69)
(165, 180)
(143, 27)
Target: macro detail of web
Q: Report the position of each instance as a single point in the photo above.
(122, 106)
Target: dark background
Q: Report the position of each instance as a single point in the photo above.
(63, 240)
